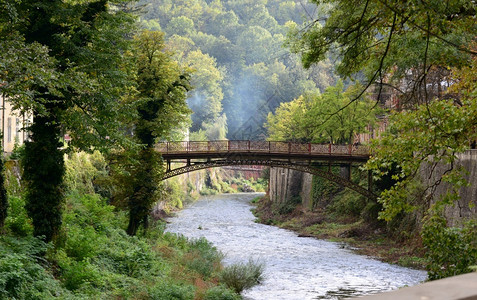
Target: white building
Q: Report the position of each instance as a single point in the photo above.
(11, 125)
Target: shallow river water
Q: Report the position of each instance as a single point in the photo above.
(295, 267)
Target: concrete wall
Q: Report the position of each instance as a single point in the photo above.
(467, 205)
(286, 184)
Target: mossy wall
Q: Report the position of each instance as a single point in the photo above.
(286, 185)
(466, 206)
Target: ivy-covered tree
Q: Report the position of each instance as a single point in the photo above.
(3, 194)
(74, 76)
(161, 106)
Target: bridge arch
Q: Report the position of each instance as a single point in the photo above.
(306, 168)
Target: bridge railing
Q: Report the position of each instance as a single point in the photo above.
(259, 146)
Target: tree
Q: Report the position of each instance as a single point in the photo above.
(206, 99)
(82, 46)
(414, 41)
(428, 136)
(311, 118)
(287, 122)
(422, 50)
(3, 195)
(161, 106)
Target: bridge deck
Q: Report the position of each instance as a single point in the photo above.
(262, 150)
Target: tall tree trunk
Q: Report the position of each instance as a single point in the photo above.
(43, 174)
(3, 193)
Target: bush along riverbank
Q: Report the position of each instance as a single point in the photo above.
(93, 258)
(343, 216)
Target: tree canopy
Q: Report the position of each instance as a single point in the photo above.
(242, 70)
(408, 45)
(312, 118)
(71, 75)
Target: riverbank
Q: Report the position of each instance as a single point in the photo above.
(353, 233)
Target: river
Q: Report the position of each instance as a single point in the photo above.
(295, 267)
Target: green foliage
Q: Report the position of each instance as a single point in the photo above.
(236, 49)
(289, 206)
(23, 273)
(203, 257)
(329, 117)
(221, 293)
(43, 176)
(144, 192)
(87, 173)
(68, 78)
(216, 130)
(199, 135)
(242, 276)
(390, 38)
(12, 175)
(3, 194)
(160, 107)
(172, 195)
(428, 136)
(206, 100)
(171, 291)
(450, 251)
(322, 191)
(17, 221)
(94, 258)
(18, 150)
(348, 204)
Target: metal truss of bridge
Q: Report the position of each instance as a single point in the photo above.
(304, 157)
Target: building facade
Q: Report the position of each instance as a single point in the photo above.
(12, 126)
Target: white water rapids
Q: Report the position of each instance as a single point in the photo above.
(295, 267)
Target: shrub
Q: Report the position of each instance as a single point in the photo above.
(241, 276)
(87, 173)
(348, 203)
(171, 291)
(203, 257)
(450, 251)
(221, 293)
(23, 273)
(17, 220)
(126, 255)
(81, 243)
(80, 274)
(289, 206)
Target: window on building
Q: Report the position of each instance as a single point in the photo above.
(9, 130)
(17, 129)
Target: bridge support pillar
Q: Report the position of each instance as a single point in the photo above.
(345, 171)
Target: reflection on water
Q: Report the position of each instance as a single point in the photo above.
(295, 267)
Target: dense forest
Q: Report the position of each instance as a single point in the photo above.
(241, 69)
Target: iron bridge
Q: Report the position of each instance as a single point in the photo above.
(304, 157)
